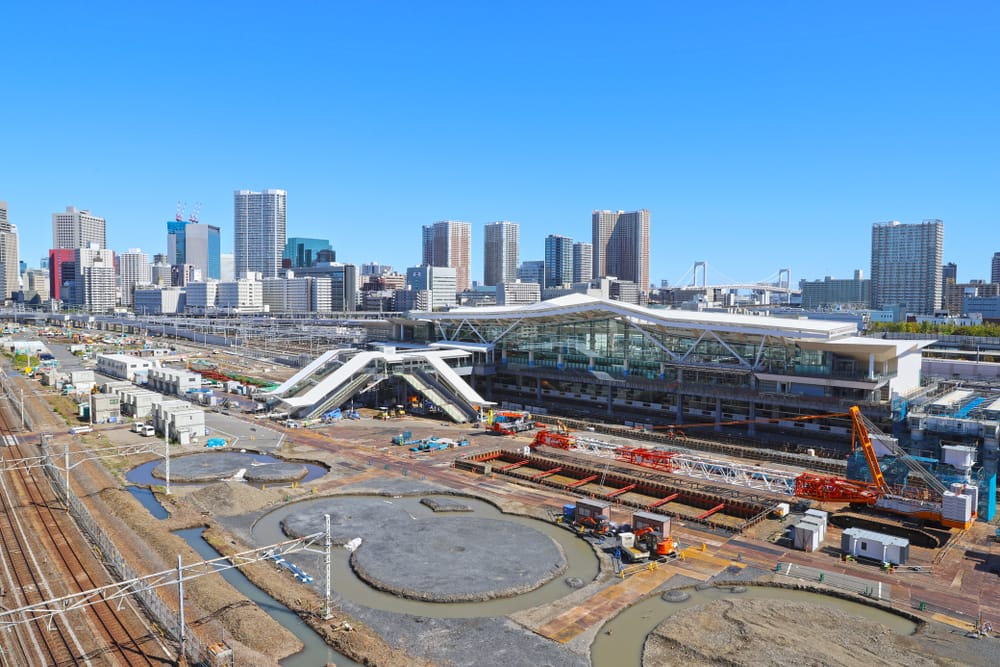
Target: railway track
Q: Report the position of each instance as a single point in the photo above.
(44, 558)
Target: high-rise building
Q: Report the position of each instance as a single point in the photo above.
(532, 271)
(258, 231)
(583, 262)
(621, 246)
(949, 272)
(836, 292)
(435, 286)
(190, 242)
(500, 252)
(95, 285)
(133, 269)
(62, 273)
(78, 229)
(449, 243)
(10, 267)
(995, 268)
(300, 252)
(906, 266)
(558, 260)
(227, 267)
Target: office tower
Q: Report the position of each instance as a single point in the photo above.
(36, 285)
(190, 242)
(558, 260)
(435, 286)
(133, 269)
(449, 243)
(621, 246)
(62, 273)
(258, 231)
(500, 252)
(227, 267)
(995, 268)
(78, 229)
(9, 264)
(301, 252)
(906, 266)
(583, 262)
(532, 271)
(95, 288)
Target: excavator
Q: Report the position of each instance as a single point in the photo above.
(642, 544)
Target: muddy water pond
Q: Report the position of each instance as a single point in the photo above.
(619, 643)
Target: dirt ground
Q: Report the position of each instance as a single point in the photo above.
(733, 633)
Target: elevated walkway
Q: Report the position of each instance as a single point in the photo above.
(337, 375)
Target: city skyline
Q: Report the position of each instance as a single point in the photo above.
(766, 138)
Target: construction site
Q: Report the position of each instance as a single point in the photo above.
(463, 530)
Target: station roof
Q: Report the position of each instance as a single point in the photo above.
(581, 307)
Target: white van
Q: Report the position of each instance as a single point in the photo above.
(148, 430)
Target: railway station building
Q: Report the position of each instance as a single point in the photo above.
(586, 356)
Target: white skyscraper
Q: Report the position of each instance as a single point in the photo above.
(133, 269)
(78, 229)
(95, 279)
(258, 231)
(500, 253)
(9, 262)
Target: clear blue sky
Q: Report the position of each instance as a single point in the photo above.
(760, 135)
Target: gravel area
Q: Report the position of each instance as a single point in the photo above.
(214, 467)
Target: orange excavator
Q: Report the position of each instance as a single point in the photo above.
(643, 544)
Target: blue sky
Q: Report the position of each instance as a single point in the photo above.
(760, 135)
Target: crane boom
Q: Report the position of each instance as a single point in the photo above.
(861, 433)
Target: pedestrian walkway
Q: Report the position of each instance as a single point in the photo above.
(867, 587)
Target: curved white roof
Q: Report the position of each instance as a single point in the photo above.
(583, 307)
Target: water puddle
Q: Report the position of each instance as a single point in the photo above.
(620, 641)
(580, 558)
(315, 651)
(149, 501)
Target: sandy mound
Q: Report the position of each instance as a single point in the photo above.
(777, 632)
(232, 498)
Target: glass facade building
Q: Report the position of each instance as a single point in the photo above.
(577, 353)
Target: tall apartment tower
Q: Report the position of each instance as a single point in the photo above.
(558, 260)
(9, 262)
(906, 266)
(995, 268)
(78, 229)
(583, 262)
(258, 231)
(94, 287)
(449, 243)
(500, 252)
(621, 246)
(133, 269)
